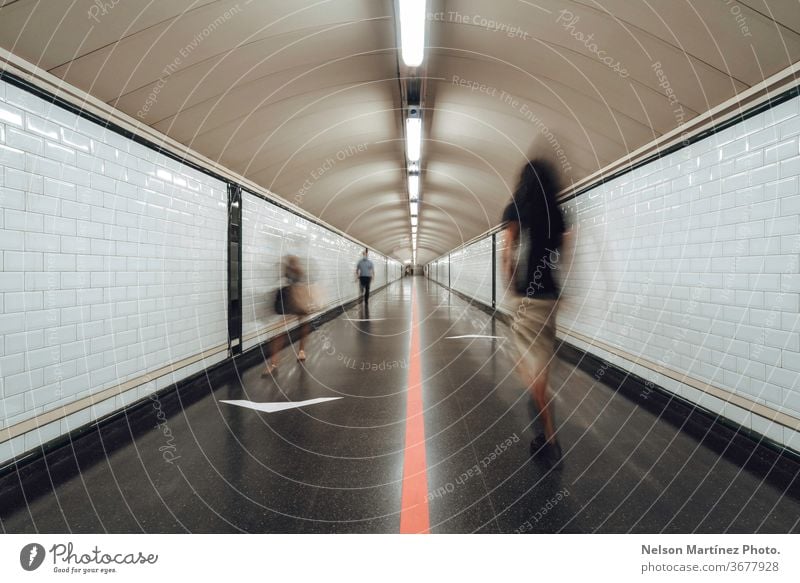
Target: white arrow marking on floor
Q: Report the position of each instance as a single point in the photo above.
(273, 407)
(471, 336)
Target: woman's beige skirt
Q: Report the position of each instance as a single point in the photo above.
(534, 325)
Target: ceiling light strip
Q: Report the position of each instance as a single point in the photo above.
(412, 31)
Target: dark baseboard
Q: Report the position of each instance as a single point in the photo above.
(62, 451)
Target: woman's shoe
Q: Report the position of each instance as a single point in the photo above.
(537, 444)
(551, 456)
(269, 369)
(548, 453)
(554, 454)
(301, 356)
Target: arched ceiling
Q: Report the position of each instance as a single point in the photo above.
(303, 97)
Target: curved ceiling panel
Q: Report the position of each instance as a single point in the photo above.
(49, 34)
(784, 13)
(213, 30)
(209, 105)
(304, 98)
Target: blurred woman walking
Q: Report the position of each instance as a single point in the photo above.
(293, 300)
(534, 230)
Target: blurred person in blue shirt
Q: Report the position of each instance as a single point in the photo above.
(365, 271)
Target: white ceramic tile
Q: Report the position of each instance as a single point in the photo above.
(41, 127)
(24, 141)
(10, 115)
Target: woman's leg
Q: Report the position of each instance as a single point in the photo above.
(304, 331)
(535, 337)
(275, 346)
(539, 408)
(538, 391)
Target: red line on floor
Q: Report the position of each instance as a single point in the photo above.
(414, 518)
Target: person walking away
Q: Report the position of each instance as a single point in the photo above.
(534, 228)
(292, 300)
(365, 271)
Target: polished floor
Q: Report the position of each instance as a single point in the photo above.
(190, 462)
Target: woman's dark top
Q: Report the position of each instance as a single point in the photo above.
(540, 218)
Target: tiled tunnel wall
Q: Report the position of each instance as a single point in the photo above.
(113, 263)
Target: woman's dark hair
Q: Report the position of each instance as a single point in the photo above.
(537, 180)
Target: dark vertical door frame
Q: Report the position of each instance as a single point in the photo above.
(234, 268)
(494, 270)
(449, 270)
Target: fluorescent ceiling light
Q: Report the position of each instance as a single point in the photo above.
(413, 186)
(414, 221)
(413, 138)
(413, 208)
(412, 31)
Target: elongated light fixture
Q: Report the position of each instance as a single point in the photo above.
(413, 187)
(413, 138)
(412, 31)
(413, 208)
